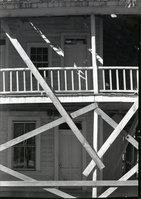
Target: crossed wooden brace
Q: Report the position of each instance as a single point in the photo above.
(65, 117)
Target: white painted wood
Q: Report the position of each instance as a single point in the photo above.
(123, 148)
(24, 81)
(17, 80)
(131, 79)
(75, 10)
(70, 156)
(31, 82)
(46, 127)
(95, 146)
(113, 136)
(53, 98)
(11, 81)
(67, 99)
(3, 74)
(72, 79)
(86, 82)
(70, 183)
(59, 193)
(124, 79)
(123, 178)
(93, 46)
(130, 139)
(58, 80)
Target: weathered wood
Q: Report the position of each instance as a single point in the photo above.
(130, 139)
(52, 96)
(113, 136)
(123, 178)
(26, 178)
(95, 146)
(122, 150)
(59, 193)
(68, 183)
(93, 46)
(46, 127)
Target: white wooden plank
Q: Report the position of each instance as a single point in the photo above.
(59, 193)
(93, 46)
(52, 96)
(46, 127)
(122, 150)
(123, 178)
(26, 178)
(95, 146)
(113, 136)
(69, 183)
(130, 139)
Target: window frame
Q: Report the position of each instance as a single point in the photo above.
(40, 45)
(10, 160)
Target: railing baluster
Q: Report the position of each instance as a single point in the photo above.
(10, 81)
(31, 85)
(51, 73)
(24, 82)
(117, 79)
(124, 80)
(3, 81)
(103, 77)
(110, 75)
(86, 80)
(131, 79)
(38, 86)
(72, 79)
(79, 80)
(58, 78)
(17, 80)
(65, 74)
(137, 76)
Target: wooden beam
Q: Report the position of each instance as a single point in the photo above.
(59, 193)
(68, 183)
(123, 178)
(26, 178)
(52, 96)
(114, 125)
(46, 127)
(95, 146)
(93, 46)
(122, 150)
(113, 136)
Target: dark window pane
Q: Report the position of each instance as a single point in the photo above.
(39, 51)
(39, 58)
(45, 58)
(66, 127)
(45, 51)
(33, 51)
(30, 157)
(33, 58)
(19, 157)
(45, 65)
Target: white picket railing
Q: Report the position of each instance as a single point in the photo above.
(67, 79)
(70, 80)
(118, 79)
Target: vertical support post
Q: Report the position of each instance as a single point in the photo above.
(95, 146)
(93, 46)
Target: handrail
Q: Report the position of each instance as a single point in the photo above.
(114, 79)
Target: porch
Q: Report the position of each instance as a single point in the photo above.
(70, 80)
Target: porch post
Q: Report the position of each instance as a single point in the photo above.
(95, 146)
(93, 46)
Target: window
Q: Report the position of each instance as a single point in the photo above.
(39, 54)
(24, 153)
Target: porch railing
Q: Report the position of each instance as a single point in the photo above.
(118, 79)
(70, 80)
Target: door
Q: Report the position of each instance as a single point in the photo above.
(70, 154)
(75, 55)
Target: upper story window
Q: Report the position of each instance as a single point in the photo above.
(40, 56)
(24, 153)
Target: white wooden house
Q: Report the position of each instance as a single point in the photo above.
(69, 98)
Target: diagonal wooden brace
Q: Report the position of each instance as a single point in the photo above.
(113, 136)
(52, 96)
(46, 127)
(123, 178)
(26, 178)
